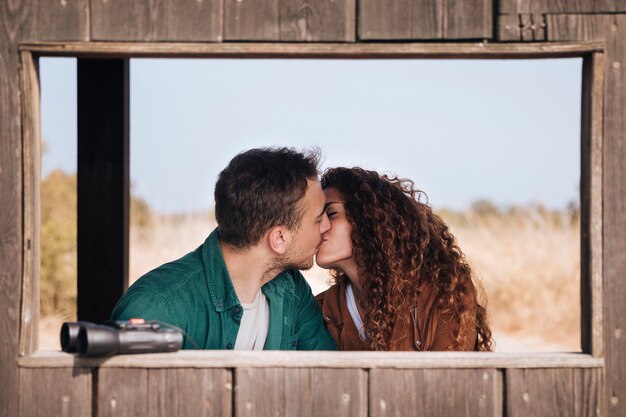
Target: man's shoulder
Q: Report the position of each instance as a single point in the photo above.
(165, 291)
(172, 276)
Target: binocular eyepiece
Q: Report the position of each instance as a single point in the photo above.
(119, 337)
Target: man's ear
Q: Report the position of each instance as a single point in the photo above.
(278, 238)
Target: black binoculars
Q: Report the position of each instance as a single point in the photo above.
(119, 337)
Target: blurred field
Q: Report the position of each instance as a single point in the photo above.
(526, 258)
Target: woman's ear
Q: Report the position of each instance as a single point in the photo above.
(278, 239)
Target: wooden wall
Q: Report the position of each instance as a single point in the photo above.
(563, 391)
(204, 383)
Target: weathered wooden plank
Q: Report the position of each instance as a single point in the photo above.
(11, 237)
(393, 19)
(425, 19)
(252, 20)
(29, 333)
(553, 392)
(317, 20)
(189, 392)
(591, 204)
(162, 20)
(610, 29)
(561, 6)
(55, 392)
(435, 392)
(290, 20)
(509, 28)
(57, 21)
(269, 359)
(103, 186)
(523, 27)
(578, 27)
(465, 19)
(300, 392)
(122, 392)
(372, 50)
(614, 220)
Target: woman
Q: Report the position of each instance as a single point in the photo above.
(401, 282)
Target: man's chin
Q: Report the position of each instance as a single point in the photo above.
(303, 265)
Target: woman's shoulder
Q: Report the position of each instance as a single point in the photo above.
(332, 303)
(331, 294)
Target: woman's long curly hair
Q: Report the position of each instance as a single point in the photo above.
(399, 244)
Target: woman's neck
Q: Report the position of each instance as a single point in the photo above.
(350, 270)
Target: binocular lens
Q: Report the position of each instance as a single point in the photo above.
(69, 334)
(97, 341)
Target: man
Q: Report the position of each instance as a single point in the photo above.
(241, 289)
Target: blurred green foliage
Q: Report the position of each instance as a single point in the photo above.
(58, 244)
(58, 241)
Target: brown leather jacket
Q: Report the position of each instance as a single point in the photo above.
(430, 332)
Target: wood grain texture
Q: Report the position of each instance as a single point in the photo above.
(577, 27)
(614, 221)
(425, 19)
(156, 20)
(29, 329)
(57, 20)
(393, 19)
(522, 28)
(252, 20)
(290, 20)
(609, 28)
(305, 392)
(435, 392)
(508, 28)
(475, 50)
(553, 392)
(315, 359)
(317, 20)
(12, 15)
(465, 19)
(122, 393)
(592, 118)
(55, 392)
(189, 392)
(561, 6)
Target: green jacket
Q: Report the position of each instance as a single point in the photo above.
(196, 294)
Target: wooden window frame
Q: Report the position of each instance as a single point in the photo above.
(592, 53)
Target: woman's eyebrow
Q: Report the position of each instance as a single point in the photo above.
(329, 203)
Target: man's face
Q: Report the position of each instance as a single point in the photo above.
(307, 237)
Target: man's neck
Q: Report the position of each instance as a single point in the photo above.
(248, 270)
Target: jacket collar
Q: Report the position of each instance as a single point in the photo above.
(219, 283)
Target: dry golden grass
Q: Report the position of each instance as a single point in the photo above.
(529, 266)
(528, 262)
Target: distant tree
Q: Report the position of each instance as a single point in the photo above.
(484, 207)
(58, 248)
(58, 241)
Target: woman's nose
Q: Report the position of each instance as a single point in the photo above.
(325, 224)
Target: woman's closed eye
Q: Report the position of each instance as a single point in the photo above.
(331, 214)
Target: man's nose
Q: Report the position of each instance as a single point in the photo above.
(325, 224)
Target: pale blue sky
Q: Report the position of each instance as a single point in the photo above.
(463, 130)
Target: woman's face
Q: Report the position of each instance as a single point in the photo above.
(336, 248)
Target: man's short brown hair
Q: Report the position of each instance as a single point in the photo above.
(260, 189)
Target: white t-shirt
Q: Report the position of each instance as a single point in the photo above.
(354, 312)
(254, 325)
